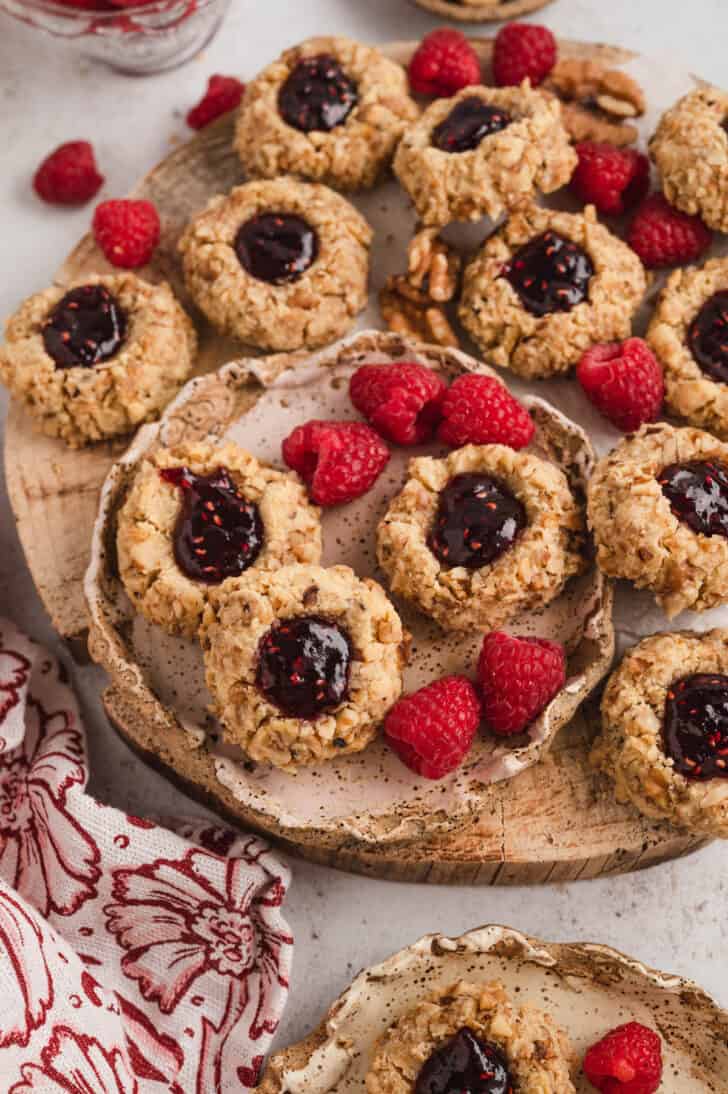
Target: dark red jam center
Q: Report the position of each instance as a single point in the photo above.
(550, 274)
(696, 726)
(218, 533)
(318, 95)
(303, 666)
(276, 247)
(467, 124)
(708, 337)
(86, 327)
(477, 519)
(698, 495)
(465, 1065)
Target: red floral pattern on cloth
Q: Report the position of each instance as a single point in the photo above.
(135, 958)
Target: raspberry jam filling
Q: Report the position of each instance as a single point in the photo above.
(86, 327)
(276, 247)
(698, 495)
(477, 520)
(318, 95)
(465, 1065)
(708, 337)
(550, 274)
(467, 124)
(303, 666)
(218, 533)
(695, 729)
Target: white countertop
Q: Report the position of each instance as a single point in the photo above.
(671, 916)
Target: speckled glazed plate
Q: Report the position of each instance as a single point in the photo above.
(588, 989)
(370, 797)
(485, 11)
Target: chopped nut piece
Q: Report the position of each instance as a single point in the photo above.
(597, 100)
(412, 303)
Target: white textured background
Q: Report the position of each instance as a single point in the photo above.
(672, 916)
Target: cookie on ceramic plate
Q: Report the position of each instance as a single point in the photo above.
(658, 507)
(199, 514)
(279, 264)
(689, 334)
(476, 538)
(664, 738)
(330, 109)
(545, 287)
(465, 1032)
(303, 663)
(95, 359)
(483, 151)
(690, 149)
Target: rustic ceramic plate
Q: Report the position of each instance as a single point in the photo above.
(588, 989)
(371, 797)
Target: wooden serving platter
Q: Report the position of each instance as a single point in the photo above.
(554, 822)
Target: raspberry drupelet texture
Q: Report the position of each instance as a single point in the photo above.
(663, 236)
(613, 179)
(69, 175)
(624, 381)
(223, 94)
(338, 461)
(402, 400)
(432, 730)
(523, 51)
(518, 677)
(627, 1061)
(481, 410)
(127, 232)
(443, 63)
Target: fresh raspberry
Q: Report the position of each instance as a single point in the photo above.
(126, 231)
(518, 678)
(663, 236)
(443, 63)
(223, 94)
(523, 50)
(614, 179)
(624, 382)
(69, 176)
(481, 410)
(401, 400)
(627, 1061)
(432, 730)
(338, 461)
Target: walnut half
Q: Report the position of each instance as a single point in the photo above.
(414, 303)
(599, 103)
